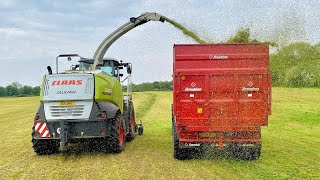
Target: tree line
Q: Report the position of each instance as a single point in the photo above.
(153, 86)
(18, 90)
(295, 65)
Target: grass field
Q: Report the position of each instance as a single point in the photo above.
(291, 145)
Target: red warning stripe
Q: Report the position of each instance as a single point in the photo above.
(42, 129)
(39, 126)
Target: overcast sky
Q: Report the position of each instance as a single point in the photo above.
(34, 32)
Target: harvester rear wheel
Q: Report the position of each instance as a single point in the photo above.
(117, 138)
(132, 124)
(44, 146)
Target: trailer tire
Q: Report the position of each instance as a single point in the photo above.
(255, 152)
(44, 146)
(132, 124)
(252, 153)
(178, 153)
(117, 134)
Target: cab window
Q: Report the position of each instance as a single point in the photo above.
(107, 70)
(110, 68)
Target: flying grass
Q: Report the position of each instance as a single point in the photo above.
(185, 30)
(290, 145)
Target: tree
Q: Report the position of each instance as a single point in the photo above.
(12, 91)
(16, 85)
(3, 92)
(296, 65)
(26, 91)
(156, 85)
(36, 91)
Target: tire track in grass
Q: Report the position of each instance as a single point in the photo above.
(144, 108)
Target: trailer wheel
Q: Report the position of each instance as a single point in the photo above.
(255, 152)
(132, 124)
(117, 134)
(178, 153)
(249, 153)
(44, 146)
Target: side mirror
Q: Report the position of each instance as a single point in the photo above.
(129, 69)
(49, 70)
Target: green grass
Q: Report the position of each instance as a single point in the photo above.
(185, 31)
(291, 145)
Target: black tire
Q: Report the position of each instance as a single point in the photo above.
(117, 134)
(44, 146)
(132, 124)
(178, 153)
(101, 145)
(254, 153)
(248, 153)
(140, 130)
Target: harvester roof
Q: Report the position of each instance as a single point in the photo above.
(91, 61)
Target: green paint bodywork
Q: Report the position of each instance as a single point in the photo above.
(108, 89)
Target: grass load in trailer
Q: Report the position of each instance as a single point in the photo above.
(221, 98)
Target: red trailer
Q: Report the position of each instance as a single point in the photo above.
(221, 97)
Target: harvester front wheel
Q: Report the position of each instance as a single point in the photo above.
(117, 138)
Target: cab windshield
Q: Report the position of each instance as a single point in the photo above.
(109, 66)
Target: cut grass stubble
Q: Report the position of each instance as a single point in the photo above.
(290, 145)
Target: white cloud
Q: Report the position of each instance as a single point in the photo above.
(12, 32)
(7, 3)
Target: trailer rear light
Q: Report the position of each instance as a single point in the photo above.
(103, 116)
(36, 118)
(102, 132)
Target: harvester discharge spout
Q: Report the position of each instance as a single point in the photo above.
(133, 22)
